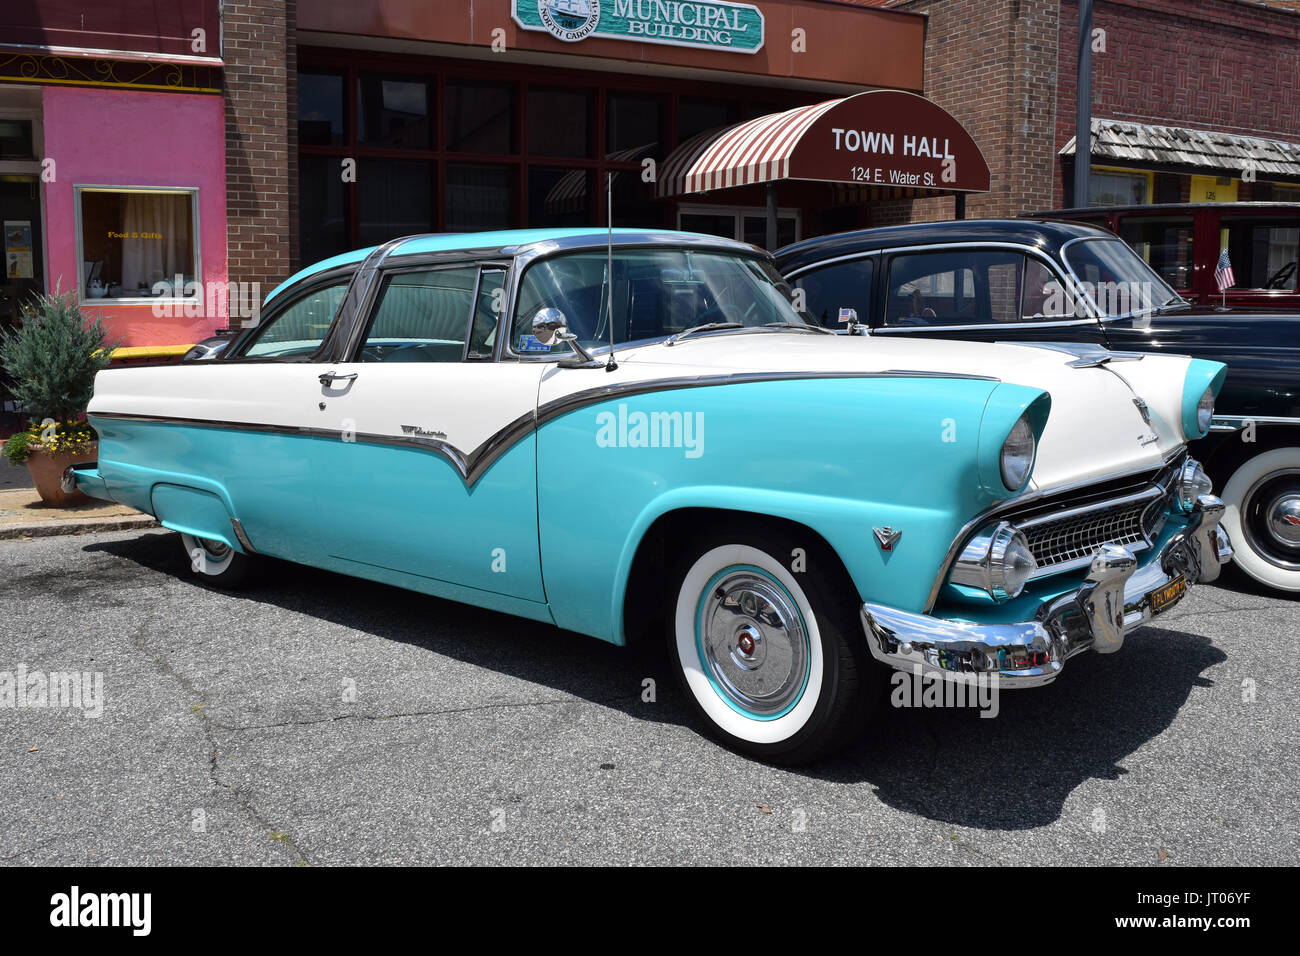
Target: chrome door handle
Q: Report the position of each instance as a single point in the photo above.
(329, 378)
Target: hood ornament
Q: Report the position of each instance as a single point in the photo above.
(887, 537)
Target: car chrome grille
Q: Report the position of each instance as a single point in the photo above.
(1068, 539)
(1068, 533)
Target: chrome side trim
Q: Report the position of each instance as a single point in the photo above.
(1237, 422)
(472, 464)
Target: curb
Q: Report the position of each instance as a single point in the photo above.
(47, 529)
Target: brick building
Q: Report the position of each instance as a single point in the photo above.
(1182, 90)
(479, 114)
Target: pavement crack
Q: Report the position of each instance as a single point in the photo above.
(509, 705)
(200, 711)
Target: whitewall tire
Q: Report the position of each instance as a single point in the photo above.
(216, 562)
(1262, 517)
(770, 660)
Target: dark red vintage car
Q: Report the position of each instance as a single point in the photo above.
(1183, 241)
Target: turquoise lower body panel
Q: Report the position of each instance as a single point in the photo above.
(393, 514)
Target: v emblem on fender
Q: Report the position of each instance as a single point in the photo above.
(887, 537)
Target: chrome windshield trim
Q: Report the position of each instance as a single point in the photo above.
(1097, 310)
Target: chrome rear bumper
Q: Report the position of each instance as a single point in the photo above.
(1114, 599)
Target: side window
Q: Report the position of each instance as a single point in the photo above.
(300, 328)
(844, 285)
(487, 310)
(975, 287)
(1043, 296)
(1165, 242)
(1263, 251)
(421, 317)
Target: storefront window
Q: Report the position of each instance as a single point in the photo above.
(396, 198)
(480, 197)
(137, 242)
(696, 115)
(1107, 188)
(1263, 251)
(322, 209)
(559, 121)
(1165, 242)
(320, 109)
(632, 120)
(558, 197)
(394, 113)
(480, 117)
(16, 139)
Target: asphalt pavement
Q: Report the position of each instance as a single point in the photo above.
(320, 720)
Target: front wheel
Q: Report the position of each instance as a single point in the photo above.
(217, 562)
(773, 661)
(1263, 517)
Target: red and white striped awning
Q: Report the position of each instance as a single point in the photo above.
(752, 152)
(881, 138)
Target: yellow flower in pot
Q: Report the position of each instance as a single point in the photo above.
(52, 358)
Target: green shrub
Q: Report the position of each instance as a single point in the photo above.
(18, 447)
(53, 356)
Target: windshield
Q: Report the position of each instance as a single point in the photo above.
(1117, 279)
(656, 293)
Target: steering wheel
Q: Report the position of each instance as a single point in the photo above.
(1278, 279)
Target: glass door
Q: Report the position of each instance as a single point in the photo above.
(746, 223)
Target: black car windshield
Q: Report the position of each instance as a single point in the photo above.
(1117, 279)
(656, 293)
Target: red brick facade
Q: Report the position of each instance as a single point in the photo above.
(1205, 64)
(260, 53)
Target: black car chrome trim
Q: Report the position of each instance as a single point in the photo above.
(471, 465)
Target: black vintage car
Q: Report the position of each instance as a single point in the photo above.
(1077, 284)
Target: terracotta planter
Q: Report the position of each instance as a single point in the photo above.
(47, 474)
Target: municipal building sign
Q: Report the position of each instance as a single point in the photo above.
(704, 24)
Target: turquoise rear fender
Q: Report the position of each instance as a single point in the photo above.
(837, 455)
(191, 511)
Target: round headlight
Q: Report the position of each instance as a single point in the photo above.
(1192, 483)
(1011, 566)
(1017, 454)
(1205, 411)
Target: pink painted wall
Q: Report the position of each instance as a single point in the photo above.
(135, 138)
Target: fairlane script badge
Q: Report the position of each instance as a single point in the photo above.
(423, 432)
(703, 24)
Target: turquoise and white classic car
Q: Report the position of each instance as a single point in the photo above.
(637, 433)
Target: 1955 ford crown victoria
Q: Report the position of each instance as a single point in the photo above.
(793, 508)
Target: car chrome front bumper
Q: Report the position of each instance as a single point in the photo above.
(1114, 599)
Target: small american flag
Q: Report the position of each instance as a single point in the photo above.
(1223, 276)
(848, 315)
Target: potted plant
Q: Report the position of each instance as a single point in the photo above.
(53, 357)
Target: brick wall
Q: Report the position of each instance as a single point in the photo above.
(1207, 64)
(993, 65)
(259, 50)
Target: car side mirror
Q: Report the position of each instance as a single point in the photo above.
(550, 324)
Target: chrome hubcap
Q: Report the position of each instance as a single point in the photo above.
(1270, 517)
(1284, 518)
(753, 643)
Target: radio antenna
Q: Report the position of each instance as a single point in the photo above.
(610, 365)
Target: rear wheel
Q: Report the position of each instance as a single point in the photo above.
(774, 662)
(1263, 517)
(217, 562)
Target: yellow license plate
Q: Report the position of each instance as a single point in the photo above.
(1166, 597)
